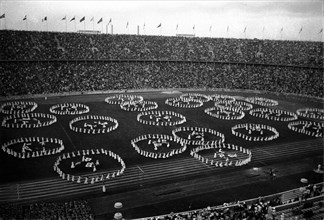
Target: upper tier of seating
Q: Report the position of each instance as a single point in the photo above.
(32, 45)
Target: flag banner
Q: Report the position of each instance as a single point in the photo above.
(301, 29)
(99, 21)
(109, 21)
(44, 19)
(159, 25)
(281, 29)
(92, 19)
(193, 27)
(321, 31)
(82, 19)
(3, 16)
(127, 25)
(244, 30)
(72, 19)
(25, 18)
(64, 18)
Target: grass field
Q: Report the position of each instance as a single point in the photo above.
(15, 169)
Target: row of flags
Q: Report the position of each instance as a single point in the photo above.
(159, 26)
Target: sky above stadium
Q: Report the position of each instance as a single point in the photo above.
(290, 19)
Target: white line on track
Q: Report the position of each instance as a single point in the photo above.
(68, 136)
(140, 169)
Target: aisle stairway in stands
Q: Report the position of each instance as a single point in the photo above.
(158, 172)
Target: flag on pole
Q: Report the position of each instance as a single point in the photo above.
(159, 25)
(25, 18)
(44, 19)
(109, 21)
(82, 19)
(99, 21)
(301, 29)
(64, 18)
(210, 28)
(227, 28)
(281, 29)
(92, 19)
(244, 30)
(193, 28)
(320, 31)
(72, 19)
(3, 16)
(127, 25)
(177, 27)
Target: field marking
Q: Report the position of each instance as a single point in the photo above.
(140, 169)
(68, 136)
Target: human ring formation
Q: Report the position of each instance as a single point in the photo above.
(69, 109)
(262, 101)
(30, 120)
(226, 155)
(30, 147)
(158, 145)
(161, 118)
(93, 124)
(18, 107)
(312, 113)
(273, 114)
(84, 159)
(225, 113)
(255, 132)
(310, 128)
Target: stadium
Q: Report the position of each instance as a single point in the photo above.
(125, 126)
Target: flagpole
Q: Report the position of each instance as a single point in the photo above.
(75, 25)
(46, 24)
(102, 27)
(65, 24)
(93, 24)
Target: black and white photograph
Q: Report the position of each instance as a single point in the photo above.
(161, 109)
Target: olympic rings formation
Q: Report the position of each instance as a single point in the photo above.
(138, 106)
(313, 113)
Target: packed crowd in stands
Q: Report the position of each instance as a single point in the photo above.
(22, 45)
(48, 211)
(44, 78)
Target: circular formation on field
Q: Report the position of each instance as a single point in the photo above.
(238, 105)
(161, 118)
(69, 109)
(312, 113)
(85, 160)
(31, 120)
(138, 106)
(18, 107)
(195, 96)
(255, 132)
(184, 103)
(222, 155)
(222, 98)
(118, 99)
(158, 145)
(30, 147)
(262, 101)
(198, 136)
(93, 124)
(310, 128)
(273, 114)
(225, 113)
